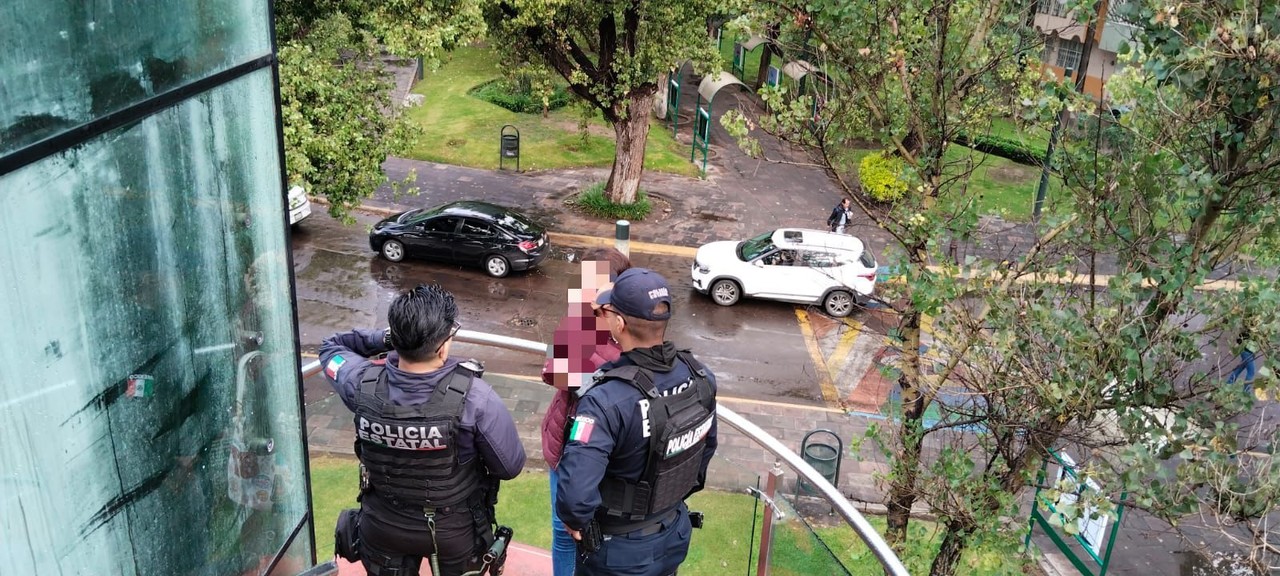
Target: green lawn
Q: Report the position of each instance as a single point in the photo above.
(463, 130)
(723, 546)
(1001, 185)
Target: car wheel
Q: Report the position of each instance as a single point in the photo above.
(838, 304)
(725, 292)
(393, 250)
(496, 266)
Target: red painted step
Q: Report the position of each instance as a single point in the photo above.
(522, 560)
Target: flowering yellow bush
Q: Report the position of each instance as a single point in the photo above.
(881, 176)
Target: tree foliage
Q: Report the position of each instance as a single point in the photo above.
(1124, 372)
(340, 122)
(611, 54)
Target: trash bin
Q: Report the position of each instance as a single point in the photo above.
(509, 146)
(824, 457)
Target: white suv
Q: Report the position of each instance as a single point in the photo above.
(789, 264)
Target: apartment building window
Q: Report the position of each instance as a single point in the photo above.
(1052, 7)
(1069, 53)
(1050, 42)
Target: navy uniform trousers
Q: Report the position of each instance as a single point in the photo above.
(638, 554)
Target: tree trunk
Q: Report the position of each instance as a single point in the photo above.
(906, 468)
(632, 131)
(948, 558)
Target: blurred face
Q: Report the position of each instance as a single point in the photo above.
(594, 278)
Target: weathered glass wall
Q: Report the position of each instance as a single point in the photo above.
(149, 410)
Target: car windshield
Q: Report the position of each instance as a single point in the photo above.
(417, 215)
(751, 249)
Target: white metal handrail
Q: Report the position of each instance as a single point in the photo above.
(889, 560)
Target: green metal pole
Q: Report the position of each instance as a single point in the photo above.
(706, 140)
(693, 149)
(1035, 504)
(1111, 542)
(1048, 158)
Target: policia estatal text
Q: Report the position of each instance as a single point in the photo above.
(640, 441)
(433, 441)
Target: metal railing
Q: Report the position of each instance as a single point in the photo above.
(818, 483)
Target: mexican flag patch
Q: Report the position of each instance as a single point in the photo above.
(140, 386)
(335, 363)
(582, 427)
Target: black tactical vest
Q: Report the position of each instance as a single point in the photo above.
(410, 453)
(679, 424)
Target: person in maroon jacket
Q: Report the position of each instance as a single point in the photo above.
(579, 347)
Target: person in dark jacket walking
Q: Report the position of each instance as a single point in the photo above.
(581, 345)
(432, 437)
(840, 217)
(621, 494)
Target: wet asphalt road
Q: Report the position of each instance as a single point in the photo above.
(755, 348)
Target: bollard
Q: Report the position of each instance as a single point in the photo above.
(622, 237)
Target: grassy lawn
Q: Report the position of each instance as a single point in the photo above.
(1001, 185)
(463, 130)
(724, 546)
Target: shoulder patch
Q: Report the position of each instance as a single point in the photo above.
(582, 427)
(335, 363)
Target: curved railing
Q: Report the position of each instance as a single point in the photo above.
(814, 480)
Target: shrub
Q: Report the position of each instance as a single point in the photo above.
(593, 201)
(1002, 147)
(881, 176)
(519, 98)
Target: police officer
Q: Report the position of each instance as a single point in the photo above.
(433, 439)
(640, 442)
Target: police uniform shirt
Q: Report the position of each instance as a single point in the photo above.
(609, 436)
(486, 427)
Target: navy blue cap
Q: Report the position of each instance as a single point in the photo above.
(636, 292)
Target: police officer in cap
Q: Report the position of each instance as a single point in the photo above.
(640, 442)
(432, 437)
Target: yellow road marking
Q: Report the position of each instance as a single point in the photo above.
(829, 393)
(835, 364)
(645, 247)
(1100, 280)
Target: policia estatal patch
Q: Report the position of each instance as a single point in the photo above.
(404, 437)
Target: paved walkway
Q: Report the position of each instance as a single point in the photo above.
(740, 197)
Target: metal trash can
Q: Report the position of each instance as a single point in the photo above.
(825, 458)
(509, 146)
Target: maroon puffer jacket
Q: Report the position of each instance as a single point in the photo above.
(586, 348)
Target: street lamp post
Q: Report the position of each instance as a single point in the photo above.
(1048, 157)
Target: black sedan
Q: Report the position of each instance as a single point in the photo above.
(496, 239)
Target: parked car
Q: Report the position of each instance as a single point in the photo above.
(498, 240)
(299, 205)
(832, 270)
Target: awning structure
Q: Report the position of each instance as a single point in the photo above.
(754, 41)
(711, 84)
(797, 69)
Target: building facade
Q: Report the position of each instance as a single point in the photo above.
(1064, 42)
(149, 394)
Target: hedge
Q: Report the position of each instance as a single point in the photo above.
(1002, 147)
(500, 92)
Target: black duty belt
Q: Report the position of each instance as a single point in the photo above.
(646, 527)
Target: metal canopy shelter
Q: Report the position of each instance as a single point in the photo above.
(707, 89)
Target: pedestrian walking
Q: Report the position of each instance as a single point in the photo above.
(581, 345)
(621, 494)
(1246, 367)
(840, 217)
(432, 437)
